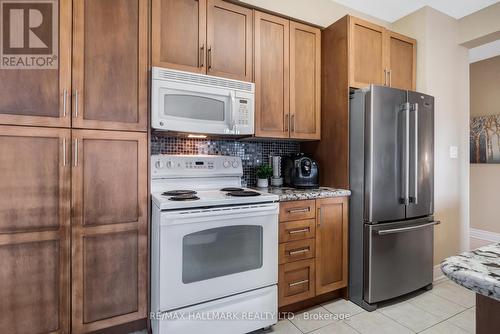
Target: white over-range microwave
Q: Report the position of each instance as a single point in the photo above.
(201, 104)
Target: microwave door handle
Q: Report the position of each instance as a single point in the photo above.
(232, 112)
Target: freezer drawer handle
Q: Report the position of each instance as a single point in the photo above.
(407, 229)
(298, 283)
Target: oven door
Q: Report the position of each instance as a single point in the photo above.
(185, 107)
(207, 254)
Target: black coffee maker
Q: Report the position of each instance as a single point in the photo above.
(300, 171)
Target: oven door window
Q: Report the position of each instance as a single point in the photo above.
(221, 251)
(194, 107)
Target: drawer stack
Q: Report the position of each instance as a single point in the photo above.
(297, 250)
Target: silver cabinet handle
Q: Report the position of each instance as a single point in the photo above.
(202, 55)
(298, 283)
(76, 103)
(301, 210)
(320, 218)
(292, 121)
(64, 151)
(76, 152)
(385, 77)
(65, 101)
(287, 122)
(299, 251)
(415, 162)
(390, 77)
(407, 229)
(304, 230)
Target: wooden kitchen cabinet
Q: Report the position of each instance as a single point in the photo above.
(34, 230)
(305, 81)
(367, 53)
(313, 245)
(272, 76)
(110, 64)
(203, 36)
(179, 34)
(229, 40)
(331, 244)
(287, 78)
(109, 229)
(40, 97)
(402, 61)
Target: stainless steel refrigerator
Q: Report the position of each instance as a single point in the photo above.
(391, 173)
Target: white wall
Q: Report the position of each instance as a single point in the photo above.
(480, 27)
(443, 71)
(319, 12)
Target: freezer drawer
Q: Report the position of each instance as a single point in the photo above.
(399, 258)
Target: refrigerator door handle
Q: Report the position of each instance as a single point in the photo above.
(407, 229)
(415, 157)
(406, 155)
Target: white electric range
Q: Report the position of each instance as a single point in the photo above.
(214, 249)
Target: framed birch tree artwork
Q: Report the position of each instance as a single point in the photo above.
(485, 139)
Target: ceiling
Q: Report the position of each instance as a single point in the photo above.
(393, 10)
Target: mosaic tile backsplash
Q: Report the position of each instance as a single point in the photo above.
(252, 153)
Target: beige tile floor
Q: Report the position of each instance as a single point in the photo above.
(446, 309)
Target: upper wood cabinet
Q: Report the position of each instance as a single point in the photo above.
(110, 65)
(179, 34)
(402, 65)
(331, 244)
(109, 229)
(34, 230)
(229, 40)
(367, 53)
(379, 56)
(272, 76)
(201, 36)
(287, 78)
(305, 81)
(41, 97)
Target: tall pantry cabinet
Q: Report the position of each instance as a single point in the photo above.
(73, 176)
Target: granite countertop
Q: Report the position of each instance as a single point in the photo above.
(477, 270)
(292, 194)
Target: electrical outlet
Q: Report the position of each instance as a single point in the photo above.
(453, 152)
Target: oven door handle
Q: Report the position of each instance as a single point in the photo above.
(407, 229)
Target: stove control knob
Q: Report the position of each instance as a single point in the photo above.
(160, 164)
(170, 164)
(226, 164)
(235, 164)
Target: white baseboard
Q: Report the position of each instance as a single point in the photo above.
(484, 235)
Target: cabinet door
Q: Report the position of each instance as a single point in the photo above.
(229, 40)
(109, 229)
(110, 64)
(331, 244)
(39, 96)
(366, 54)
(179, 34)
(296, 282)
(34, 230)
(305, 81)
(272, 95)
(402, 60)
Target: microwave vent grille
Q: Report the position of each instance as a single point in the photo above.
(204, 80)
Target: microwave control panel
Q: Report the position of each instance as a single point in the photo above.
(243, 111)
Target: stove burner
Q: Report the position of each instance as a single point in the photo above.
(243, 193)
(178, 192)
(184, 197)
(231, 189)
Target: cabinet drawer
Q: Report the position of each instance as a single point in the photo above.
(297, 230)
(296, 282)
(297, 210)
(296, 250)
